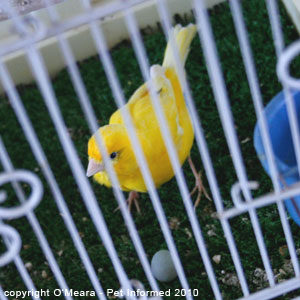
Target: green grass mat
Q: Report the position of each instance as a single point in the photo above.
(100, 94)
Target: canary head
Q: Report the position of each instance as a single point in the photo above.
(118, 147)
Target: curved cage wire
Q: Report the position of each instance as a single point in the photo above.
(71, 245)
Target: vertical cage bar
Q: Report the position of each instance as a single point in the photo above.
(7, 166)
(41, 158)
(45, 168)
(220, 93)
(92, 122)
(2, 296)
(37, 229)
(203, 149)
(257, 99)
(273, 13)
(144, 66)
(221, 97)
(43, 81)
(22, 270)
(120, 101)
(88, 196)
(289, 100)
(254, 88)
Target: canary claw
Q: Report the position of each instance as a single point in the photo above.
(133, 196)
(198, 184)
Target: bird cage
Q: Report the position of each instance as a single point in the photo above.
(65, 67)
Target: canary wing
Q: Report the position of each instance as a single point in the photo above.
(142, 110)
(116, 117)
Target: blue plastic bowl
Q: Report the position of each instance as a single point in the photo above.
(281, 139)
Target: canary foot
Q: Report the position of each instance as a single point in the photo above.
(198, 184)
(133, 196)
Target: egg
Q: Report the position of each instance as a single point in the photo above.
(162, 266)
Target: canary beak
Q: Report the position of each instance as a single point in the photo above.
(94, 168)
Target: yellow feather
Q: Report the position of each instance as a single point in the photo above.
(115, 135)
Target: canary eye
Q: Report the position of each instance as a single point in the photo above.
(113, 155)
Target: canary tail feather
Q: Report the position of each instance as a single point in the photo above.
(183, 37)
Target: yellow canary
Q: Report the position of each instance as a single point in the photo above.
(115, 135)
